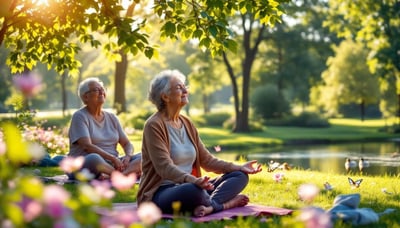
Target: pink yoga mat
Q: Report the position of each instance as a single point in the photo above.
(248, 210)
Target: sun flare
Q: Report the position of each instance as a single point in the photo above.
(40, 2)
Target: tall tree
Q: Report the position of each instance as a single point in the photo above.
(252, 37)
(348, 78)
(377, 23)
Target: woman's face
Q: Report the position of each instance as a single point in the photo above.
(178, 95)
(96, 94)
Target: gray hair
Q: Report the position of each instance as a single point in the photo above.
(161, 85)
(84, 86)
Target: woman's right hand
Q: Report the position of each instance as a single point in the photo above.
(118, 165)
(203, 182)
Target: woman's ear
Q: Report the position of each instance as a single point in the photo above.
(165, 97)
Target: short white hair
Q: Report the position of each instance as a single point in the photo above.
(161, 85)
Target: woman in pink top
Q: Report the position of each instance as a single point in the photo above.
(173, 156)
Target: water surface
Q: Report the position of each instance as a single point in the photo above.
(381, 158)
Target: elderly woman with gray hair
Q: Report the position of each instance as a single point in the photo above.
(95, 134)
(173, 156)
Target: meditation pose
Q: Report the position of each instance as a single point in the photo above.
(95, 134)
(173, 155)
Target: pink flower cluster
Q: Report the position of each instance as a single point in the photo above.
(53, 142)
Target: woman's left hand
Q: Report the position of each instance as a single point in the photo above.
(125, 160)
(249, 168)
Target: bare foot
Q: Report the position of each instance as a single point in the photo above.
(201, 211)
(238, 201)
(103, 176)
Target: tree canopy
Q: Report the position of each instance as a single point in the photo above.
(50, 31)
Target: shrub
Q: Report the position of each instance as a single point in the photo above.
(216, 119)
(267, 102)
(255, 126)
(135, 120)
(304, 119)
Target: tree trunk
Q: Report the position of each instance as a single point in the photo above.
(120, 73)
(235, 91)
(64, 92)
(206, 103)
(120, 76)
(362, 107)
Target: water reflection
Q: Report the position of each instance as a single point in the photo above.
(380, 158)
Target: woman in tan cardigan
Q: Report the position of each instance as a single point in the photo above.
(173, 154)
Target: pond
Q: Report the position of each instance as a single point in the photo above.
(379, 158)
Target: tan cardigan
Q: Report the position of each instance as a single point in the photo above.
(157, 164)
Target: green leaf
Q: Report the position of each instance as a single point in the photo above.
(17, 150)
(169, 28)
(213, 30)
(197, 34)
(15, 214)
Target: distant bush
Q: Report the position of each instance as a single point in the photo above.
(135, 120)
(255, 126)
(394, 129)
(199, 121)
(267, 102)
(215, 119)
(304, 119)
(55, 121)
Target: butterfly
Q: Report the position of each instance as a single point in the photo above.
(354, 184)
(327, 186)
(272, 166)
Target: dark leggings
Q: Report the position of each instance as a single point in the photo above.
(226, 187)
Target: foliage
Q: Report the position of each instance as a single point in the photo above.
(347, 79)
(376, 23)
(267, 102)
(60, 26)
(135, 120)
(304, 119)
(27, 202)
(215, 119)
(254, 125)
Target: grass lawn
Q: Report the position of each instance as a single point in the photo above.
(377, 192)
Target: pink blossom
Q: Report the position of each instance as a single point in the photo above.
(54, 198)
(28, 83)
(217, 148)
(107, 221)
(149, 213)
(2, 148)
(103, 188)
(31, 208)
(307, 192)
(315, 218)
(126, 217)
(277, 177)
(71, 164)
(122, 182)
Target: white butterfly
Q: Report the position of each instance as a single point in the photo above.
(354, 184)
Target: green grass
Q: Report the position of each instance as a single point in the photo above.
(262, 189)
